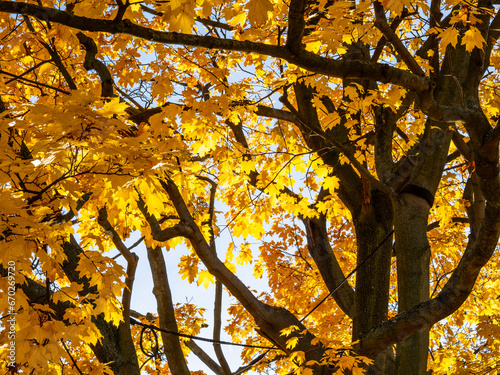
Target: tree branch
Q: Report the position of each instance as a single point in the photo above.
(493, 35)
(205, 253)
(296, 24)
(103, 221)
(178, 230)
(131, 258)
(166, 314)
(390, 35)
(494, 134)
(443, 113)
(455, 220)
(278, 114)
(91, 63)
(115, 347)
(204, 357)
(462, 147)
(304, 59)
(355, 163)
(328, 266)
(248, 367)
(34, 83)
(476, 210)
(217, 329)
(55, 57)
(382, 42)
(318, 242)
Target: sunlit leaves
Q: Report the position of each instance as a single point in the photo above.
(188, 268)
(449, 36)
(113, 107)
(287, 331)
(205, 278)
(298, 356)
(183, 16)
(189, 318)
(194, 116)
(473, 39)
(396, 6)
(240, 19)
(331, 183)
(258, 11)
(245, 255)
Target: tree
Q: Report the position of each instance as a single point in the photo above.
(329, 139)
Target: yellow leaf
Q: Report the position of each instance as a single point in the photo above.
(230, 266)
(331, 183)
(241, 19)
(287, 331)
(366, 360)
(245, 255)
(183, 22)
(352, 92)
(113, 107)
(247, 166)
(258, 271)
(298, 356)
(182, 17)
(314, 46)
(347, 362)
(258, 11)
(174, 4)
(188, 268)
(449, 36)
(205, 278)
(395, 6)
(472, 39)
(292, 343)
(229, 252)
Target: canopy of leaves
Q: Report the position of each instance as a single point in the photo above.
(349, 149)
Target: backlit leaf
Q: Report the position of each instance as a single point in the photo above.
(258, 11)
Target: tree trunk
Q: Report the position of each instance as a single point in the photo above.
(413, 252)
(413, 258)
(374, 248)
(117, 348)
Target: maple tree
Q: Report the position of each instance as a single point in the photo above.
(350, 149)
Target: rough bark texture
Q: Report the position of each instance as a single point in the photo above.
(161, 291)
(374, 245)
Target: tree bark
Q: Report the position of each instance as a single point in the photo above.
(374, 249)
(413, 252)
(166, 314)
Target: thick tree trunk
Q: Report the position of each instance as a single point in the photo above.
(116, 348)
(413, 252)
(374, 244)
(413, 258)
